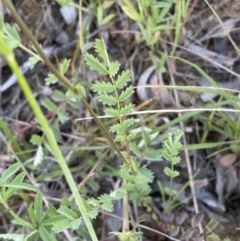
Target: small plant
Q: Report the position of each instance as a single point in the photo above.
(136, 179)
(151, 17)
(101, 19)
(171, 148)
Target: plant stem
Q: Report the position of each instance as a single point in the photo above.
(125, 211)
(52, 141)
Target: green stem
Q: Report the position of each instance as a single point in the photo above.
(17, 218)
(52, 142)
(171, 188)
(128, 162)
(125, 210)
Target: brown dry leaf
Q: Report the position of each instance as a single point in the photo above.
(228, 159)
(199, 183)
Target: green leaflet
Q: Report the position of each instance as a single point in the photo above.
(9, 172)
(123, 79)
(95, 64)
(126, 94)
(127, 109)
(101, 50)
(103, 87)
(113, 68)
(107, 99)
(112, 112)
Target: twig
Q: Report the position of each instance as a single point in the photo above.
(168, 111)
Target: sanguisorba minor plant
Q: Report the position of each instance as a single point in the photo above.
(114, 90)
(113, 94)
(136, 178)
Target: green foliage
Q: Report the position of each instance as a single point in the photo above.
(151, 17)
(1, 22)
(51, 79)
(76, 96)
(102, 18)
(113, 96)
(33, 60)
(9, 186)
(103, 202)
(63, 67)
(14, 39)
(36, 139)
(95, 64)
(13, 237)
(128, 236)
(43, 224)
(64, 2)
(137, 185)
(11, 191)
(9, 172)
(47, 103)
(171, 147)
(110, 93)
